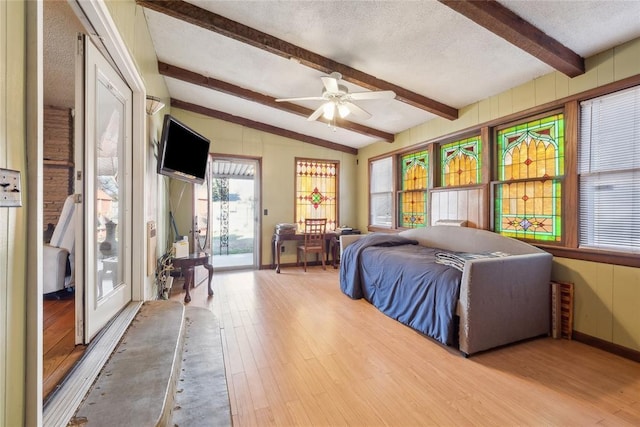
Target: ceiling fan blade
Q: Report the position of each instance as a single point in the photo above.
(330, 83)
(381, 94)
(304, 98)
(357, 111)
(317, 113)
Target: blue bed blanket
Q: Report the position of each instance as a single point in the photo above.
(404, 281)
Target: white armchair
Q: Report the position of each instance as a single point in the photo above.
(58, 255)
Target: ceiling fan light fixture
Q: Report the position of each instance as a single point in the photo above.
(329, 110)
(338, 102)
(343, 110)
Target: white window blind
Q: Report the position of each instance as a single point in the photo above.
(609, 172)
(381, 192)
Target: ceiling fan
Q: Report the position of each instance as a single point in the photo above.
(338, 100)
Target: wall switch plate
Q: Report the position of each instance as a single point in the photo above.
(10, 188)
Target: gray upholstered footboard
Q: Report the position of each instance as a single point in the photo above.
(503, 300)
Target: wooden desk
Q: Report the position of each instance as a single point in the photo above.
(277, 239)
(187, 264)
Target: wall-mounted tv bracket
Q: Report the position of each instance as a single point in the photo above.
(10, 188)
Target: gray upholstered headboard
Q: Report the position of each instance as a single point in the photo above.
(463, 239)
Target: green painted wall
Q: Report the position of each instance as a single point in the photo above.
(606, 299)
(13, 230)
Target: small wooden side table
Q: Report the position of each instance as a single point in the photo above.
(187, 264)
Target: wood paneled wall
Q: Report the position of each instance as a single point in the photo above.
(462, 203)
(58, 161)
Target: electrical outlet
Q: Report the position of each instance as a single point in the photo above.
(10, 188)
(282, 249)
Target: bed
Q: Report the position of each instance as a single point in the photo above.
(463, 287)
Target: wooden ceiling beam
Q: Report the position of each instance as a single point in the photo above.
(211, 21)
(216, 114)
(231, 89)
(504, 23)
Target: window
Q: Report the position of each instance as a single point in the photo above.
(528, 194)
(381, 192)
(609, 172)
(413, 192)
(398, 190)
(460, 162)
(316, 191)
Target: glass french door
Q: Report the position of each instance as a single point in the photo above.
(106, 200)
(227, 217)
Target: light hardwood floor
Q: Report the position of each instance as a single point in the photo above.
(299, 352)
(59, 352)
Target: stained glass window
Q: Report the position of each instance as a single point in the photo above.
(413, 194)
(528, 200)
(460, 162)
(316, 191)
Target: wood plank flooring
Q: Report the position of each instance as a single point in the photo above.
(299, 352)
(58, 348)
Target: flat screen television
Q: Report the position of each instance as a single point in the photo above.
(183, 152)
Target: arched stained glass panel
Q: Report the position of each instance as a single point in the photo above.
(460, 162)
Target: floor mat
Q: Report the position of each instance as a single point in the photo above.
(202, 397)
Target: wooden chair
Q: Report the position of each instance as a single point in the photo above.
(314, 231)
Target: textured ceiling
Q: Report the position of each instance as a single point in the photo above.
(422, 46)
(60, 29)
